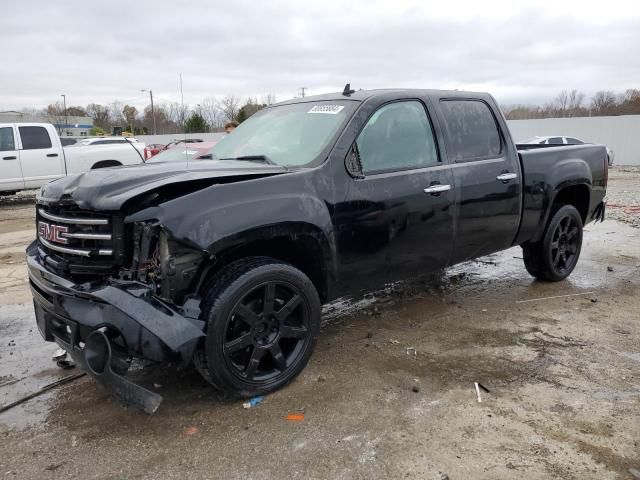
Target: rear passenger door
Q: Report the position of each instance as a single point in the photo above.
(10, 173)
(486, 175)
(39, 158)
(397, 219)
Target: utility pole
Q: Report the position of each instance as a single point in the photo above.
(302, 89)
(153, 113)
(64, 99)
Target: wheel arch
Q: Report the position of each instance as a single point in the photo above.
(576, 194)
(303, 245)
(106, 164)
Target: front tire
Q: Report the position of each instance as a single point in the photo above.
(263, 318)
(556, 255)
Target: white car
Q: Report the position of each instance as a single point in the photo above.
(107, 141)
(31, 155)
(564, 140)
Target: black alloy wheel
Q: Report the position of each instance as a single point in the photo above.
(266, 332)
(554, 257)
(263, 318)
(565, 244)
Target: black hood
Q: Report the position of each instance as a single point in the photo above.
(109, 188)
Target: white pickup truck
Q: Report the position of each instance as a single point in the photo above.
(31, 155)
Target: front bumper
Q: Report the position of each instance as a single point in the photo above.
(101, 327)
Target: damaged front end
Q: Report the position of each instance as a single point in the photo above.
(108, 290)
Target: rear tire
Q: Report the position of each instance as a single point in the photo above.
(263, 318)
(556, 255)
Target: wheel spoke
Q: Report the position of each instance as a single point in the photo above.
(243, 341)
(288, 309)
(269, 299)
(555, 245)
(246, 313)
(278, 357)
(572, 233)
(254, 362)
(287, 331)
(556, 257)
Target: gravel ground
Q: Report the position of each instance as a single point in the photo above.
(623, 195)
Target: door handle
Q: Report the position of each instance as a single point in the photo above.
(52, 154)
(437, 189)
(505, 177)
(11, 157)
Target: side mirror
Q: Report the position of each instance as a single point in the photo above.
(352, 162)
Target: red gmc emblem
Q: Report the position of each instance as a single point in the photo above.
(52, 233)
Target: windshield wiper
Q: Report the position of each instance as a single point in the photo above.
(253, 158)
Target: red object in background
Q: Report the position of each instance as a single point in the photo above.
(152, 149)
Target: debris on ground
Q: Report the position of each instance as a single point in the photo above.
(253, 402)
(609, 269)
(191, 430)
(295, 416)
(415, 389)
(477, 387)
(483, 387)
(594, 300)
(554, 296)
(635, 473)
(412, 351)
(322, 378)
(442, 476)
(59, 354)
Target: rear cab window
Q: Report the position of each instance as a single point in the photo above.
(7, 142)
(34, 138)
(472, 130)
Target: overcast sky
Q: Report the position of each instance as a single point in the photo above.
(524, 53)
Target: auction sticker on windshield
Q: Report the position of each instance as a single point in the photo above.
(329, 109)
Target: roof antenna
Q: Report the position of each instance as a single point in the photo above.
(347, 90)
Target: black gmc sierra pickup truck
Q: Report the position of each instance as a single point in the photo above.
(225, 261)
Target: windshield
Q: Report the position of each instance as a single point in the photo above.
(288, 135)
(176, 154)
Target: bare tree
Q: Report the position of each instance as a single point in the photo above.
(268, 99)
(130, 112)
(55, 115)
(230, 105)
(163, 122)
(178, 115)
(211, 112)
(561, 102)
(630, 102)
(574, 107)
(115, 114)
(604, 103)
(100, 115)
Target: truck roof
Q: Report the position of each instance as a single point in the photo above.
(362, 95)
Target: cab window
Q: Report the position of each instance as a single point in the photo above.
(398, 136)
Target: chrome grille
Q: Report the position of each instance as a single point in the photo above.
(79, 241)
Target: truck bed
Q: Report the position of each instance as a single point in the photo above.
(554, 167)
